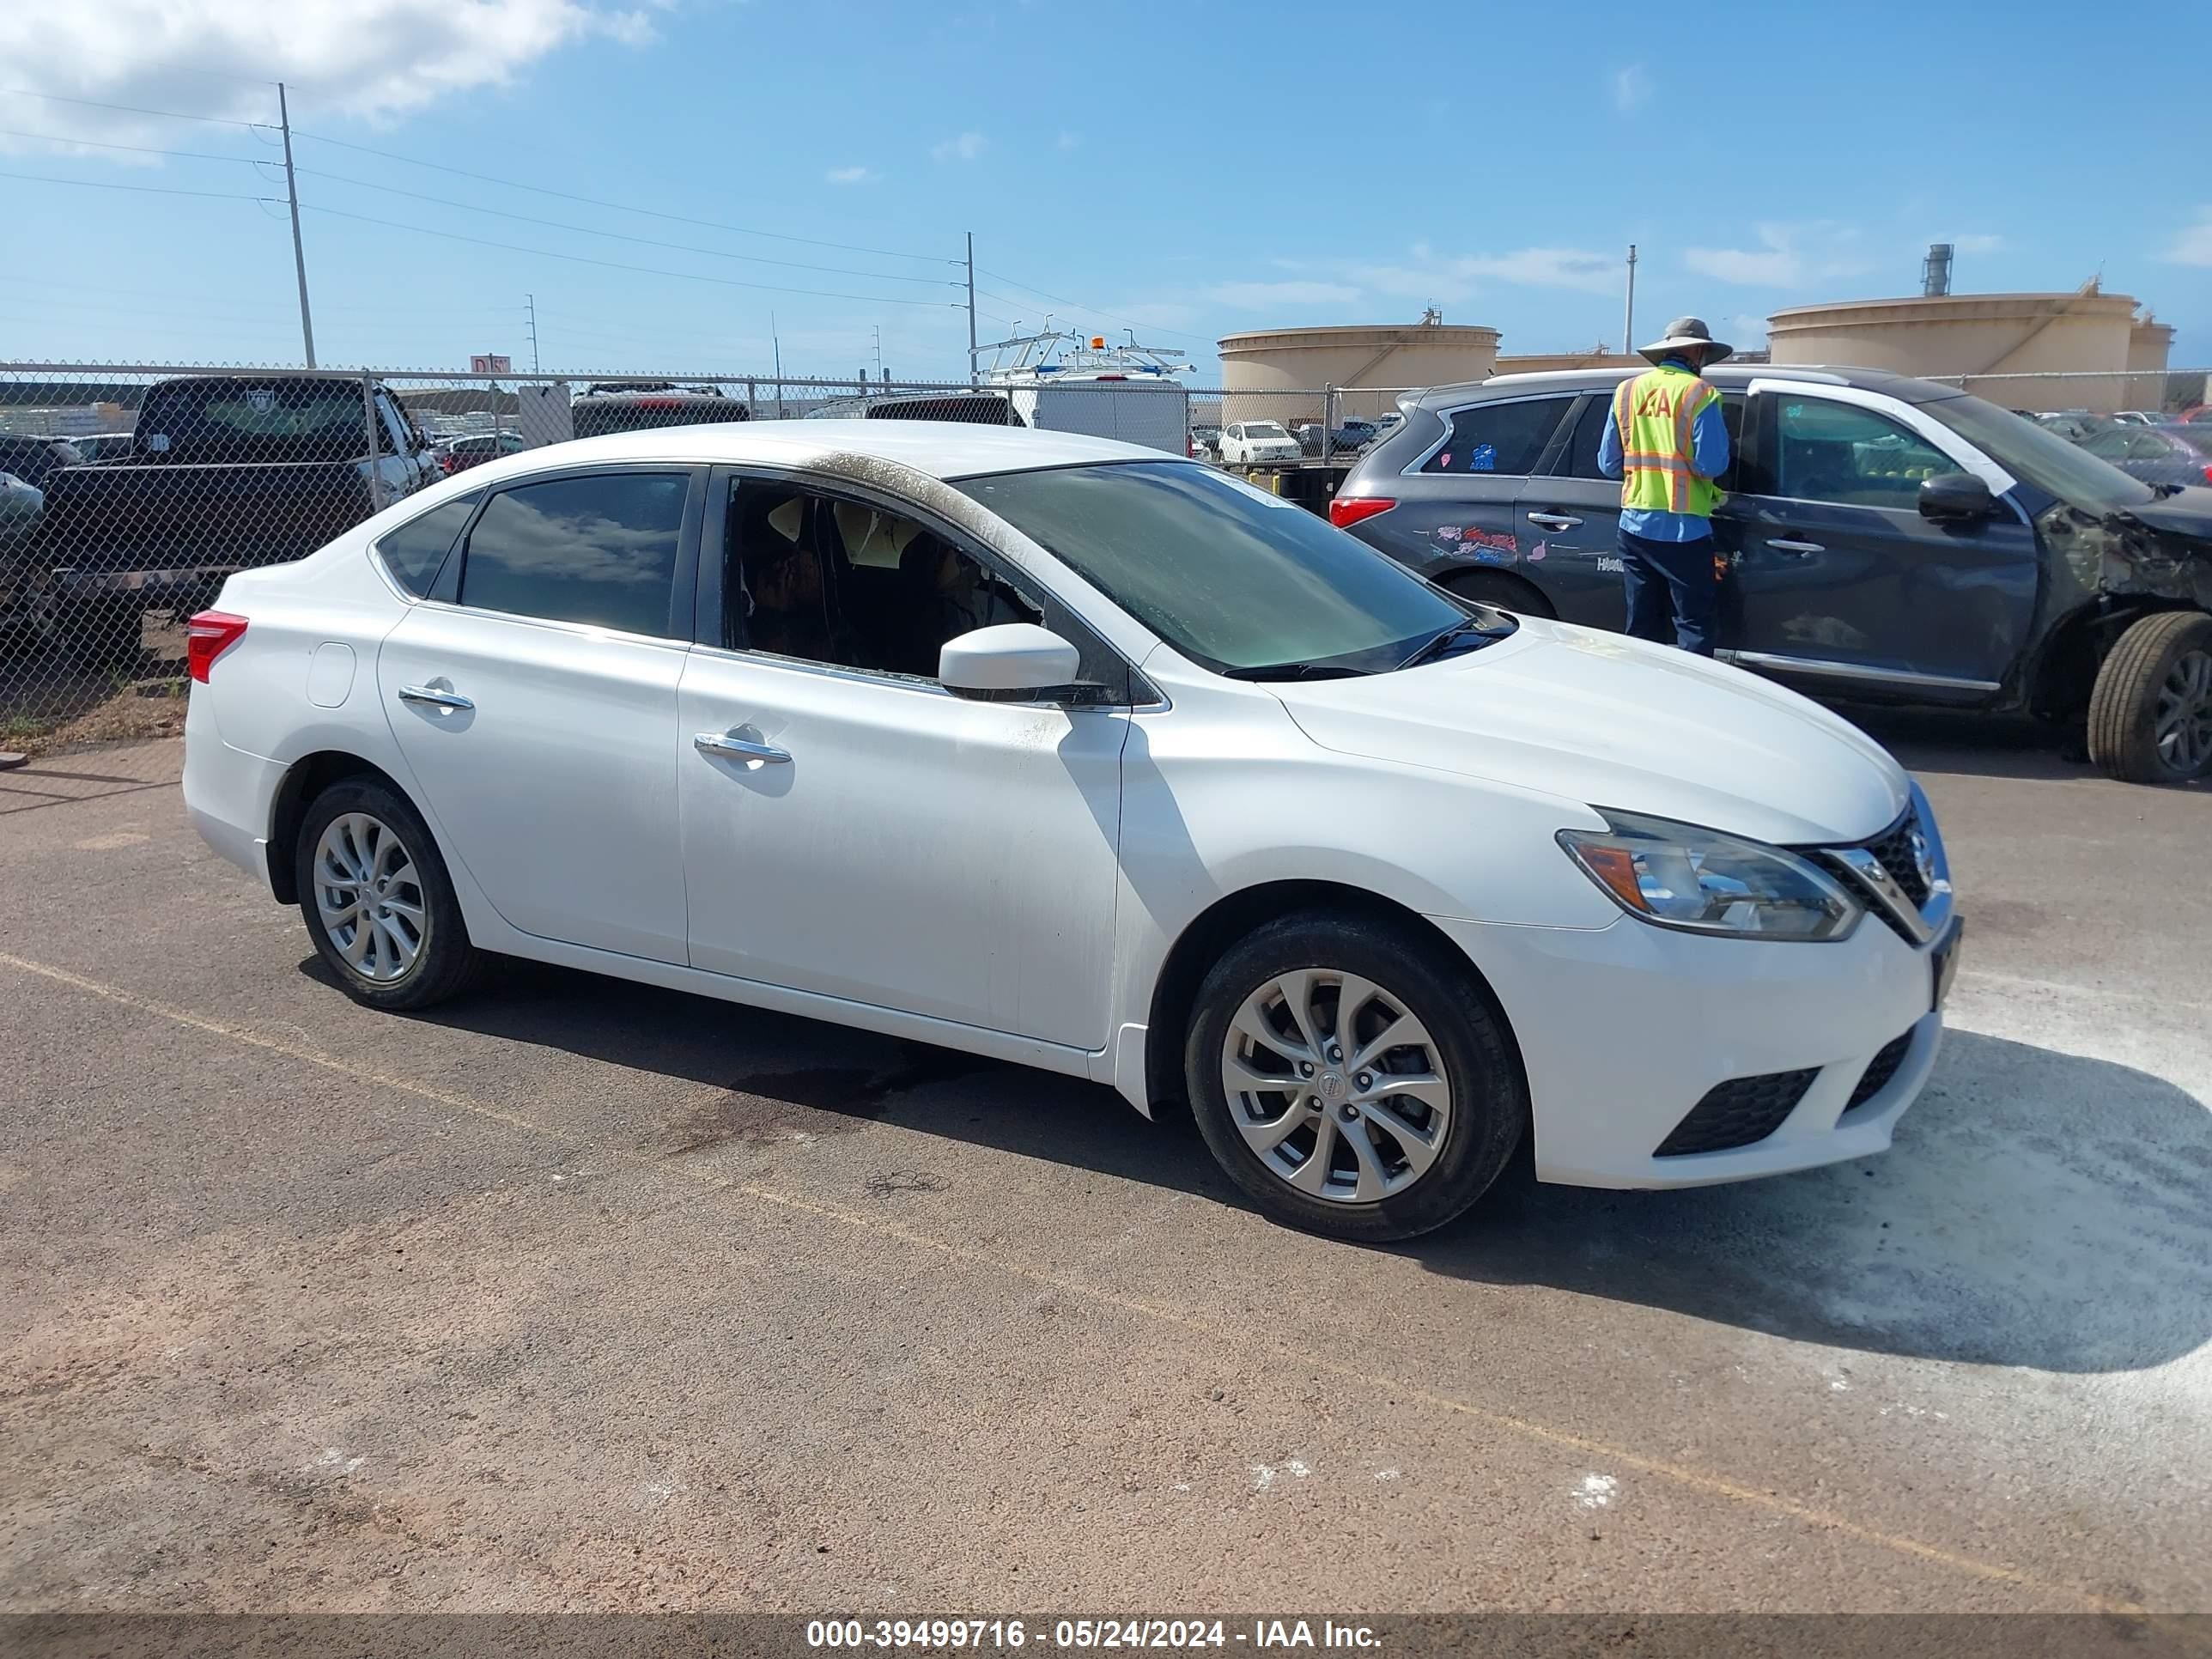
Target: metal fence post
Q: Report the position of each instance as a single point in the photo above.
(1327, 420)
(375, 449)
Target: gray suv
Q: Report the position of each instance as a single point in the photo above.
(1883, 538)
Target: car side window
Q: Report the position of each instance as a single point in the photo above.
(1854, 457)
(853, 585)
(2112, 446)
(1500, 437)
(599, 549)
(412, 553)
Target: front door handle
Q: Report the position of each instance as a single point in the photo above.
(737, 748)
(1555, 521)
(1801, 549)
(434, 697)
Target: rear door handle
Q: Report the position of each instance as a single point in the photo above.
(434, 697)
(737, 748)
(1801, 549)
(1554, 520)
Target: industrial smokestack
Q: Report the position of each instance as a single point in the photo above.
(1936, 270)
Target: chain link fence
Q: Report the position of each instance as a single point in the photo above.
(128, 493)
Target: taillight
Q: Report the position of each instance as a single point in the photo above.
(1345, 511)
(207, 637)
(2207, 475)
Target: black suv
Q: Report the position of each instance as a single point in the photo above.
(1883, 539)
(632, 407)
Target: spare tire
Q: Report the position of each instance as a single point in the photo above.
(2150, 712)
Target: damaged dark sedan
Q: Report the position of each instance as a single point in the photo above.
(1884, 539)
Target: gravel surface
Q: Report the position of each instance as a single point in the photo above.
(578, 1295)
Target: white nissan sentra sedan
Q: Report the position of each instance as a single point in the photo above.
(1059, 751)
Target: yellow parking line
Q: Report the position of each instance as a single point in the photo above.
(1695, 1479)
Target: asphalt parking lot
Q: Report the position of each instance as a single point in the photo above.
(578, 1295)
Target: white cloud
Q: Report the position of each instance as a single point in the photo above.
(965, 148)
(352, 57)
(1453, 277)
(852, 175)
(1787, 255)
(1067, 140)
(1975, 244)
(1631, 87)
(1260, 296)
(2194, 245)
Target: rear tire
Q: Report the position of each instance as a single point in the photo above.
(107, 633)
(1429, 1143)
(2150, 711)
(1506, 593)
(377, 900)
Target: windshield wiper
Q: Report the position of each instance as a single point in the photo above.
(1469, 630)
(1294, 671)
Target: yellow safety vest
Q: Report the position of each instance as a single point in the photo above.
(1657, 416)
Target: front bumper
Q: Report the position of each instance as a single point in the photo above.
(1623, 1029)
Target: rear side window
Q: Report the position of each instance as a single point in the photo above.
(413, 552)
(1500, 437)
(598, 550)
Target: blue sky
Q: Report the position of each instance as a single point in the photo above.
(1189, 170)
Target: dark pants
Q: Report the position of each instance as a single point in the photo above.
(1674, 595)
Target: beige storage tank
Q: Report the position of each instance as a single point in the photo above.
(1264, 372)
(1547, 362)
(1942, 336)
(2149, 343)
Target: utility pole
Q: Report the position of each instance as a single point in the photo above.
(879, 352)
(1628, 322)
(529, 303)
(971, 311)
(776, 341)
(298, 254)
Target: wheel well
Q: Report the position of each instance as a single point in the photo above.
(1209, 934)
(2067, 668)
(1481, 584)
(307, 779)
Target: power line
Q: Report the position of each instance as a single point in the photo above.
(623, 207)
(143, 190)
(621, 236)
(132, 109)
(610, 265)
(136, 150)
(1062, 299)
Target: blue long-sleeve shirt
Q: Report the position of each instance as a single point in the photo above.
(1709, 459)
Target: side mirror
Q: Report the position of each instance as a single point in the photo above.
(1957, 496)
(1012, 662)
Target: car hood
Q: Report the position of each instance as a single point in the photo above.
(1611, 721)
(2187, 513)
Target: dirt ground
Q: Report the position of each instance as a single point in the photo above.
(580, 1296)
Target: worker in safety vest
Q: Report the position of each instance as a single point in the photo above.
(1666, 444)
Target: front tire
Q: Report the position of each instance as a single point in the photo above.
(1353, 1077)
(2150, 712)
(377, 900)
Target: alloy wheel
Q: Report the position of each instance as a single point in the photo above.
(369, 898)
(2181, 724)
(1335, 1086)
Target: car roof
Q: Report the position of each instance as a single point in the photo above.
(1725, 376)
(943, 449)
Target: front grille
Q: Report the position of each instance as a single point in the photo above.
(1879, 1072)
(1893, 847)
(1736, 1113)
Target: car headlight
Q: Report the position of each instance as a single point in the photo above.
(1677, 875)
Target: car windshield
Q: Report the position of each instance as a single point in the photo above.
(2041, 456)
(2198, 438)
(1231, 576)
(1264, 429)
